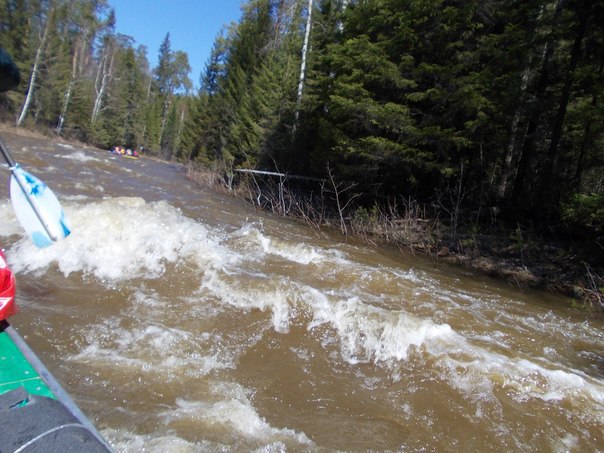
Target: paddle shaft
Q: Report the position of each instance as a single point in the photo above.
(9, 159)
(12, 164)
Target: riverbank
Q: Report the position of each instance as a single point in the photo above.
(516, 254)
(520, 256)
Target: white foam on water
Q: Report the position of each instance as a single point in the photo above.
(533, 380)
(121, 239)
(85, 187)
(163, 353)
(566, 443)
(410, 276)
(265, 295)
(235, 412)
(476, 372)
(365, 332)
(261, 245)
(9, 225)
(124, 441)
(369, 333)
(79, 197)
(79, 156)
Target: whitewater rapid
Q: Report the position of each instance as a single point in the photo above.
(205, 320)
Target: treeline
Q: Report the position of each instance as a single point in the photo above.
(82, 80)
(472, 104)
(485, 108)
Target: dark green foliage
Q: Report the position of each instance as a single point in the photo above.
(171, 75)
(585, 212)
(477, 106)
(415, 97)
(203, 128)
(131, 92)
(247, 91)
(15, 26)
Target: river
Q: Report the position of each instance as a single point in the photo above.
(183, 320)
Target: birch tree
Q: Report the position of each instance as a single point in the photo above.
(36, 67)
(103, 78)
(171, 74)
(83, 20)
(303, 63)
(67, 97)
(105, 71)
(512, 150)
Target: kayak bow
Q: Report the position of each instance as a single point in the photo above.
(36, 414)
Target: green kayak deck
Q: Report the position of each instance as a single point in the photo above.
(36, 414)
(16, 371)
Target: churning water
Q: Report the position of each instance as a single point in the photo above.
(182, 320)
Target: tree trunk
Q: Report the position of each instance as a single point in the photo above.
(513, 150)
(587, 134)
(519, 194)
(67, 97)
(512, 153)
(303, 64)
(35, 70)
(551, 190)
(103, 79)
(178, 139)
(164, 118)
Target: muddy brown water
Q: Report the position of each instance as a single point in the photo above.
(183, 320)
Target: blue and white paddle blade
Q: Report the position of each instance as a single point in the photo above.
(37, 209)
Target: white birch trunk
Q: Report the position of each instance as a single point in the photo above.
(103, 80)
(180, 127)
(344, 6)
(67, 97)
(34, 72)
(303, 64)
(149, 89)
(513, 152)
(510, 151)
(164, 119)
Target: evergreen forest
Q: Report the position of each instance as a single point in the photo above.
(487, 108)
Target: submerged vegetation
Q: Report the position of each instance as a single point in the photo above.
(472, 131)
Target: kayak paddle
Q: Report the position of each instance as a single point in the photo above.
(35, 205)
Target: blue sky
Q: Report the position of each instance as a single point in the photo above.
(193, 25)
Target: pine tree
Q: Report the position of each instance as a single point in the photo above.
(202, 125)
(245, 57)
(130, 93)
(171, 75)
(489, 103)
